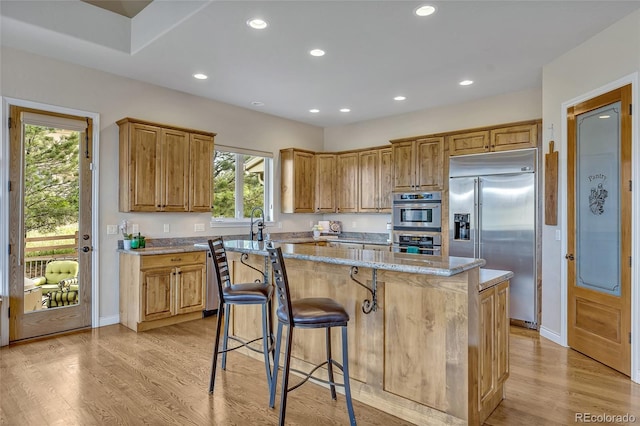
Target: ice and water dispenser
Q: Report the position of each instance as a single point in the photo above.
(461, 226)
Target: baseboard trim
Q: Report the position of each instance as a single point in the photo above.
(551, 335)
(104, 321)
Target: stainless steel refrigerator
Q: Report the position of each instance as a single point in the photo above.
(492, 215)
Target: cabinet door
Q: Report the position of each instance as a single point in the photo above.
(515, 137)
(403, 166)
(486, 350)
(174, 195)
(386, 180)
(502, 332)
(304, 186)
(347, 187)
(200, 170)
(156, 298)
(190, 285)
(369, 172)
(325, 183)
(429, 163)
(144, 174)
(469, 143)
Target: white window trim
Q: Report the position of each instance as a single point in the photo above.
(227, 222)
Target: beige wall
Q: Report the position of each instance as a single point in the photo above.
(34, 78)
(607, 57)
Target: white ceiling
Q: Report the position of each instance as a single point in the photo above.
(375, 49)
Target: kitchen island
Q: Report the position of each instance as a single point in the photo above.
(428, 335)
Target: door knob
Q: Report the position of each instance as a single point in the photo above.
(569, 256)
(86, 249)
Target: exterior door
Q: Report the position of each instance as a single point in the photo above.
(50, 197)
(599, 228)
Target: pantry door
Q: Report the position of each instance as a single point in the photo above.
(599, 228)
(50, 202)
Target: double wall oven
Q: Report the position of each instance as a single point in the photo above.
(417, 222)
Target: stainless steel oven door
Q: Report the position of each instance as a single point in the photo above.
(424, 216)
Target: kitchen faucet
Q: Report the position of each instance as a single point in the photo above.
(260, 224)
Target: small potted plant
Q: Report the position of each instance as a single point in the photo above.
(126, 237)
(126, 242)
(316, 231)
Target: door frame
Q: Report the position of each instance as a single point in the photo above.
(4, 212)
(635, 217)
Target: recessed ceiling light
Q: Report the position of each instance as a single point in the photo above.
(200, 76)
(425, 10)
(604, 116)
(345, 110)
(316, 52)
(257, 103)
(314, 110)
(399, 98)
(257, 24)
(466, 82)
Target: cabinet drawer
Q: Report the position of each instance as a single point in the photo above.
(174, 259)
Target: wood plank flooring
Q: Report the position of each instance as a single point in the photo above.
(112, 375)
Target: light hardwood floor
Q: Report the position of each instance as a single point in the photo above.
(112, 375)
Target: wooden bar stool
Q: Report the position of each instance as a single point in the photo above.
(239, 294)
(306, 313)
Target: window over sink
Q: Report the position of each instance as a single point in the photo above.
(242, 180)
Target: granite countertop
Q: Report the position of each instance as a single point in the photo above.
(322, 238)
(165, 250)
(401, 262)
(491, 277)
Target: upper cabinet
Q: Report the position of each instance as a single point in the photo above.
(326, 179)
(418, 164)
(508, 138)
(347, 189)
(375, 183)
(297, 181)
(164, 168)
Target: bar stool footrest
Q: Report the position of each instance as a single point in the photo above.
(309, 376)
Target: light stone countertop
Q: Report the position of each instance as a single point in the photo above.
(491, 277)
(401, 262)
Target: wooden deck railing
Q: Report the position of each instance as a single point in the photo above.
(35, 264)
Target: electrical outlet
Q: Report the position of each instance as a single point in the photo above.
(354, 225)
(279, 225)
(134, 228)
(166, 227)
(112, 229)
(310, 224)
(558, 236)
(198, 227)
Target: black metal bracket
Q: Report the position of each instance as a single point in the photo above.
(368, 305)
(243, 258)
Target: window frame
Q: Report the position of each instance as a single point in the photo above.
(269, 180)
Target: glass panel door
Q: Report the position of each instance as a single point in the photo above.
(598, 199)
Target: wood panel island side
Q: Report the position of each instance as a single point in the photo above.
(433, 347)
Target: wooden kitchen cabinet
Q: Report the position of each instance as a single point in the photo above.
(375, 168)
(159, 290)
(493, 350)
(418, 164)
(164, 168)
(326, 183)
(347, 188)
(517, 136)
(297, 180)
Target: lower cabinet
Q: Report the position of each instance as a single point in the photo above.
(159, 290)
(493, 351)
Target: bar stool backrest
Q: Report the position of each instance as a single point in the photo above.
(281, 280)
(219, 256)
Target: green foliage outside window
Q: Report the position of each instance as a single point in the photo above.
(224, 184)
(51, 190)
